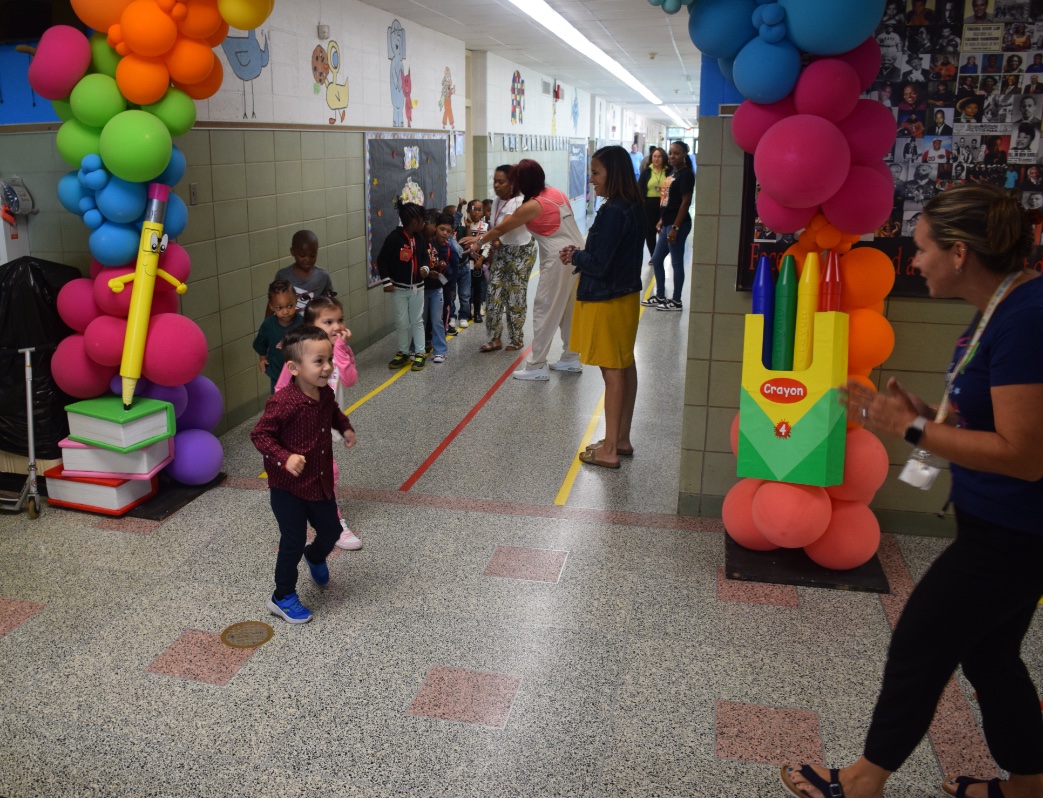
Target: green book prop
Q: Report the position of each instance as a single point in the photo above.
(103, 422)
(791, 426)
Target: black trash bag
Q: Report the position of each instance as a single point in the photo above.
(29, 317)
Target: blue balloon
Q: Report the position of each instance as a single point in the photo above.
(175, 170)
(93, 219)
(772, 14)
(720, 28)
(70, 192)
(671, 6)
(831, 27)
(94, 179)
(764, 72)
(114, 244)
(727, 65)
(772, 34)
(176, 220)
(91, 162)
(87, 203)
(122, 201)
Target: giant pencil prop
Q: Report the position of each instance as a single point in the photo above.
(153, 243)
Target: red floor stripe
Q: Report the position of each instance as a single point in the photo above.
(409, 483)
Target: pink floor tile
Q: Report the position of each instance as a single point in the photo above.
(134, 526)
(201, 656)
(14, 612)
(539, 565)
(466, 696)
(755, 592)
(774, 736)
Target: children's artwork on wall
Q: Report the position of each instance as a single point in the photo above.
(336, 93)
(247, 59)
(421, 176)
(575, 110)
(397, 56)
(445, 100)
(407, 90)
(517, 98)
(460, 139)
(577, 171)
(553, 116)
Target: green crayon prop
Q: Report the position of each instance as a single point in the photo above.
(785, 316)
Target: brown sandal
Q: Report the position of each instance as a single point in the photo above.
(620, 452)
(489, 346)
(513, 347)
(589, 456)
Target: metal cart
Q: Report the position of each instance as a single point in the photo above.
(29, 496)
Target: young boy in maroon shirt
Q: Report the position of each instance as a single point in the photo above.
(293, 435)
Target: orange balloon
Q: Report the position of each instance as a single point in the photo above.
(827, 237)
(817, 222)
(850, 540)
(866, 277)
(190, 60)
(843, 247)
(202, 19)
(99, 14)
(142, 81)
(865, 468)
(218, 36)
(147, 30)
(797, 251)
(870, 339)
(208, 86)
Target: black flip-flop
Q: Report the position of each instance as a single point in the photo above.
(963, 782)
(830, 789)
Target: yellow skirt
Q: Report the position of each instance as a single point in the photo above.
(604, 333)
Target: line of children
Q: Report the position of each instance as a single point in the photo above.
(293, 436)
(403, 264)
(444, 265)
(471, 283)
(282, 303)
(307, 279)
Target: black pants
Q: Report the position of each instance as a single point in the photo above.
(972, 608)
(477, 293)
(652, 214)
(293, 516)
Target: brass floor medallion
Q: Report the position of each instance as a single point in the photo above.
(248, 634)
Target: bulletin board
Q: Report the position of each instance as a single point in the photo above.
(411, 168)
(964, 83)
(577, 171)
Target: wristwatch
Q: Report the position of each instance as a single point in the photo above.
(914, 431)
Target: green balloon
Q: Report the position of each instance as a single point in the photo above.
(96, 99)
(62, 108)
(176, 110)
(135, 146)
(76, 140)
(103, 58)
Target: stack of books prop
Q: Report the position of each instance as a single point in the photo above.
(112, 455)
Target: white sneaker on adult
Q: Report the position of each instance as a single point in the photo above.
(541, 373)
(347, 540)
(568, 365)
(463, 324)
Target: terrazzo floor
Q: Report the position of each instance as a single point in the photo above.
(485, 641)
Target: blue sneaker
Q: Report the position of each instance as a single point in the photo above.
(289, 608)
(320, 574)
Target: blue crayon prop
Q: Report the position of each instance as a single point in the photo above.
(785, 324)
(764, 304)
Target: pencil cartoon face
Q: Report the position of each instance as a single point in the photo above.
(153, 244)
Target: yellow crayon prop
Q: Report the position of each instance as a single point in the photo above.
(807, 306)
(153, 242)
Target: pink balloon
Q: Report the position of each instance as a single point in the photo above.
(865, 468)
(62, 58)
(882, 168)
(177, 263)
(76, 304)
(828, 88)
(752, 119)
(863, 202)
(791, 515)
(75, 373)
(865, 60)
(108, 300)
(175, 350)
(802, 161)
(870, 131)
(104, 338)
(165, 302)
(850, 540)
(95, 268)
(737, 514)
(781, 219)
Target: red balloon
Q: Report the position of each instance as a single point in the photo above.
(828, 88)
(104, 339)
(752, 120)
(790, 162)
(870, 131)
(175, 350)
(791, 515)
(850, 540)
(76, 303)
(737, 514)
(862, 203)
(865, 468)
(781, 219)
(75, 373)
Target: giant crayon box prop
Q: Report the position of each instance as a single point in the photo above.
(791, 425)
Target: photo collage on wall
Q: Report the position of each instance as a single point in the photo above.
(964, 82)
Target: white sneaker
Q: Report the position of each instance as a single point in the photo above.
(347, 539)
(541, 373)
(568, 365)
(438, 359)
(463, 324)
(454, 323)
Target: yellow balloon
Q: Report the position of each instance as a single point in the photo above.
(245, 14)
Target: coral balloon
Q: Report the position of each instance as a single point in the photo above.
(190, 60)
(147, 30)
(205, 405)
(175, 350)
(752, 120)
(865, 60)
(829, 27)
(99, 14)
(865, 468)
(719, 28)
(205, 88)
(62, 58)
(143, 81)
(866, 277)
(869, 130)
(791, 515)
(828, 88)
(177, 111)
(76, 304)
(862, 203)
(136, 146)
(789, 164)
(850, 540)
(245, 14)
(75, 373)
(76, 140)
(765, 72)
(103, 340)
(202, 19)
(737, 514)
(870, 339)
(781, 219)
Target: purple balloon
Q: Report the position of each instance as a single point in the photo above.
(116, 385)
(205, 405)
(176, 395)
(198, 457)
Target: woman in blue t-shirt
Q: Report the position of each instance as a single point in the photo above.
(976, 602)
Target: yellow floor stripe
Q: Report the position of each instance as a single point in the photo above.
(573, 472)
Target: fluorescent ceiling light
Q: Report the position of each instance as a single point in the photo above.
(564, 30)
(670, 112)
